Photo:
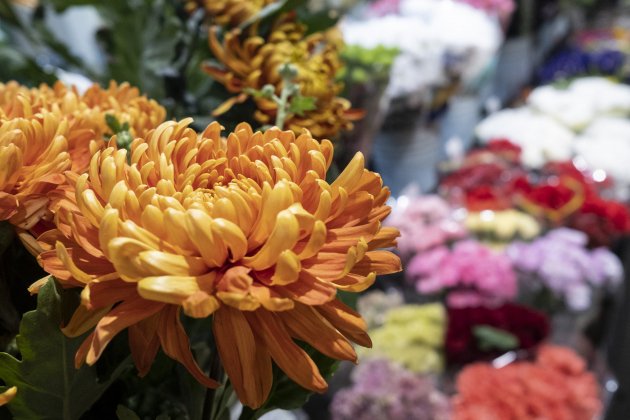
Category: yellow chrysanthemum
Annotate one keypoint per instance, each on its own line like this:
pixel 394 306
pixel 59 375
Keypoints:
pixel 230 13
pixel 46 131
pixel 251 62
pixel 245 229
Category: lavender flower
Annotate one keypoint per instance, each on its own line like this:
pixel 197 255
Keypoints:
pixel 383 390
pixel 561 262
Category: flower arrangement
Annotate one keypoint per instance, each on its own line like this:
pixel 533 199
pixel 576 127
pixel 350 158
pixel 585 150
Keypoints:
pixel 424 222
pixel 561 263
pixel 555 386
pixel 470 274
pixel 242 231
pixel 382 389
pixel 482 333
pixel 502 226
pixel 375 305
pixel 50 130
pixel 412 335
pixel 247 64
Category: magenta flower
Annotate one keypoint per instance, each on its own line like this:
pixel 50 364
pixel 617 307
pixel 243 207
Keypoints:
pixel 471 274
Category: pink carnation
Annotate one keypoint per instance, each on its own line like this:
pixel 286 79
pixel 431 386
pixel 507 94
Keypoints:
pixel 424 222
pixel 471 274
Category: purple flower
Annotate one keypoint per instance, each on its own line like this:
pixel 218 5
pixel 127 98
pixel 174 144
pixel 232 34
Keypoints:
pixel 562 263
pixel 384 390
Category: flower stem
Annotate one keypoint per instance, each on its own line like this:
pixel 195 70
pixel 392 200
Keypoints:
pixel 216 371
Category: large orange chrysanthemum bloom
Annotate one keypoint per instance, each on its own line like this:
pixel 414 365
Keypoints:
pixel 246 229
pixel 46 131
pixel 249 61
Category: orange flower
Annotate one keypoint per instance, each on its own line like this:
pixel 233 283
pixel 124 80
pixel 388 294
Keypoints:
pixel 46 131
pixel 245 229
pixel 230 13
pixel 556 386
pixel 251 62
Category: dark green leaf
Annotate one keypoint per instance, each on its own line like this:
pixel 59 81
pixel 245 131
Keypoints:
pixel 113 123
pixel 489 338
pixel 49 387
pixel 124 413
pixel 6 235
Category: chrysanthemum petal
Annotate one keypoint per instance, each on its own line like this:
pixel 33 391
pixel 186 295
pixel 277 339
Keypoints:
pixel 288 356
pixel 246 362
pixel 306 324
pixel 175 344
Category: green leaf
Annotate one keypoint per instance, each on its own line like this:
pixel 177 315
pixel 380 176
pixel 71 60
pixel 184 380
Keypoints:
pixel 6 235
pixel 489 338
pixel 124 413
pixel 300 104
pixel 113 123
pixel 49 387
pixel 286 394
pixel 141 42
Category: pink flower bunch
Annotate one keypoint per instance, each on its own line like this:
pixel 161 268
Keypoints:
pixel 470 273
pixel 501 8
pixel 424 221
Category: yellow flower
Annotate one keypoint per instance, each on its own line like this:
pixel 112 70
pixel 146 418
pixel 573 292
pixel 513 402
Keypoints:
pixel 245 229
pixel 230 13
pixel 412 335
pixel 250 61
pixel 7 396
pixel 47 131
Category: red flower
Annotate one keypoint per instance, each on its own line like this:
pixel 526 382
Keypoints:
pixel 529 326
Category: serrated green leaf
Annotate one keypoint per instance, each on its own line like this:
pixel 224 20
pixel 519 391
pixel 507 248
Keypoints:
pixel 300 104
pixel 489 338
pixel 124 413
pixel 49 387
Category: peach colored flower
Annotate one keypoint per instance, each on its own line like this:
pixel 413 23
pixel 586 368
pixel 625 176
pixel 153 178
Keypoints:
pixel 245 229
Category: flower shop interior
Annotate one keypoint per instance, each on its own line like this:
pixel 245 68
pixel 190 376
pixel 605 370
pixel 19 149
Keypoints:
pixel 315 209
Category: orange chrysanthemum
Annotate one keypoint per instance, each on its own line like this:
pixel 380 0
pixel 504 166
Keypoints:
pixel 46 131
pixel 251 62
pixel 245 229
pixel 230 13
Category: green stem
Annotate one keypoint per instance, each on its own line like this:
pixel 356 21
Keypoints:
pixel 283 105
pixel 216 371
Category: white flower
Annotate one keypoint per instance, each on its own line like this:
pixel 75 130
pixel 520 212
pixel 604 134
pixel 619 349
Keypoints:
pixel 582 101
pixel 426 32
pixel 540 136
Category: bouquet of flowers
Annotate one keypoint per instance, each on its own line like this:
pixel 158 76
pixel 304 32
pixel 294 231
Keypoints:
pixel 424 222
pixel 382 389
pixel 412 335
pixel 481 333
pixel 556 385
pixel 470 274
pixel 560 263
pixel 224 252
